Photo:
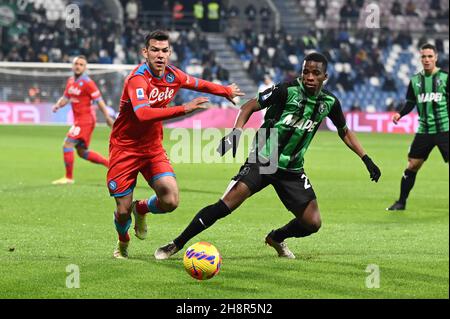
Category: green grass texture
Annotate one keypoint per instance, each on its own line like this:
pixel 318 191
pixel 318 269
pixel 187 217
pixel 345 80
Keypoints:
pixel 45 228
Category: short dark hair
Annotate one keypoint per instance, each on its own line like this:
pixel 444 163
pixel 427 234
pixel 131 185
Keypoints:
pixel 158 35
pixel 428 46
pixel 317 57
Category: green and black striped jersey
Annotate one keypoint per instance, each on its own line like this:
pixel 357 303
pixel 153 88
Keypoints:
pixel 296 116
pixel 430 94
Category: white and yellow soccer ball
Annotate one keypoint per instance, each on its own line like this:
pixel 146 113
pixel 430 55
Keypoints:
pixel 202 260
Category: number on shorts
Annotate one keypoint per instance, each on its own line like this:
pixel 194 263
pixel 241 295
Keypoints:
pixel 306 185
pixel 75 130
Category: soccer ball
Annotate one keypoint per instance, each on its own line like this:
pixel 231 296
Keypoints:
pixel 202 261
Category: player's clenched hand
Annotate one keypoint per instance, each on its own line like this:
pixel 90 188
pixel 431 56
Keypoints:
pixel 374 171
pixel 55 108
pixel 235 91
pixel 396 117
pixel 230 141
pixel 195 104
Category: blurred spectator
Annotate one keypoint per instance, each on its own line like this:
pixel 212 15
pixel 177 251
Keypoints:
pixel 166 14
pixel 34 94
pixel 233 18
pixel 213 16
pixel 132 9
pixel 389 84
pixel 430 21
pixel 224 17
pixel 265 14
pixel 435 5
pixel 396 9
pixel 233 11
pixel 321 8
pixel 177 14
pixel 404 39
pixel 267 84
pixel 199 14
pixel 222 74
pixel 410 9
pixel 346 15
pixel 250 12
pixel 207 72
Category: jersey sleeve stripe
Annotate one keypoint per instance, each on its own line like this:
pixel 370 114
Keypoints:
pixel 137 107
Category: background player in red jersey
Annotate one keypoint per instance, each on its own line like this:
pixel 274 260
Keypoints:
pixel 136 138
pixel 81 92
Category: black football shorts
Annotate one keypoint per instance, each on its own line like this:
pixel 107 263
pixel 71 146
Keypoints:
pixel 423 144
pixel 293 188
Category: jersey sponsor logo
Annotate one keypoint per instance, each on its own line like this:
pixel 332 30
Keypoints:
pixel 157 96
pixel 301 124
pixel 170 77
pixel 140 93
pixel 73 90
pixel 429 97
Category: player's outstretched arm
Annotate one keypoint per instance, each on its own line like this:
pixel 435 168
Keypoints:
pixel 229 92
pixel 353 143
pixel 102 106
pixel 231 141
pixel 61 102
pixel 147 113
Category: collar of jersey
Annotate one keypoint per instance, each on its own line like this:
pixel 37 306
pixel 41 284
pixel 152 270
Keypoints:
pixel 427 75
pixel 81 77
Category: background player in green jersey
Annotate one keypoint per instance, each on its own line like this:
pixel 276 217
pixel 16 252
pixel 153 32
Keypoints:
pixel 428 90
pixel 294 111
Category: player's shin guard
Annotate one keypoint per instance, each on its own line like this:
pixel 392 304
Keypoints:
pixel 407 183
pixel 122 227
pixel 291 229
pixel 204 219
pixel 94 157
pixel 68 161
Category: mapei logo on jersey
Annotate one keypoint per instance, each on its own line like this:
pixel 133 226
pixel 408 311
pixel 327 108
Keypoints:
pixel 170 77
pixel 140 93
pixel 429 97
pixel 301 124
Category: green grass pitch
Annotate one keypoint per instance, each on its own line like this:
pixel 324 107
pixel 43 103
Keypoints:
pixel 44 228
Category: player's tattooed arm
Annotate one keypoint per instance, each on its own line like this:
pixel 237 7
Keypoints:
pixel 61 102
pixel 102 106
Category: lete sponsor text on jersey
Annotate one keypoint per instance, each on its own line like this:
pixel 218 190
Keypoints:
pixel 74 90
pixel 157 96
